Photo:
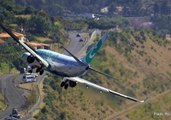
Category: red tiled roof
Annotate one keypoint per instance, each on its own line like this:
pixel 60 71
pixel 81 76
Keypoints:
pixel 6 35
pixel 1 41
pixel 34 44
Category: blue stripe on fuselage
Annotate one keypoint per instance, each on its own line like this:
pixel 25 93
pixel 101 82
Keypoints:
pixel 56 57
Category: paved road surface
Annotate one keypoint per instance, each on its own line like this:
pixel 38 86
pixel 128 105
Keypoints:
pixel 12 94
pixel 77 47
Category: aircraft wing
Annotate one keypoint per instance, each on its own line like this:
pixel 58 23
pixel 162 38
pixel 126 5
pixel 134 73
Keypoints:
pixel 87 83
pixel 26 47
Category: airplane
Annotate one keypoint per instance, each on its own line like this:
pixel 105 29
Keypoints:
pixel 69 67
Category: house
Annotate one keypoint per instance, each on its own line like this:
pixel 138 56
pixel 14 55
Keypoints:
pixel 119 8
pixel 6 35
pixel 36 45
pixel 1 41
pixel 21 37
pixel 104 10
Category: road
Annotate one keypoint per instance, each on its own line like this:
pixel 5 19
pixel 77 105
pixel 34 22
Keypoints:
pixel 13 94
pixel 77 47
pixel 38 102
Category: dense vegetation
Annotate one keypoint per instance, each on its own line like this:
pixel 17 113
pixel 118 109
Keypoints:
pixel 132 7
pixel 10 54
pixel 36 24
pixel 157 10
pixel 40 22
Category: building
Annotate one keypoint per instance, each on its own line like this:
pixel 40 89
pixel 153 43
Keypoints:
pixel 6 35
pixel 104 10
pixel 36 45
pixel 119 8
pixel 1 41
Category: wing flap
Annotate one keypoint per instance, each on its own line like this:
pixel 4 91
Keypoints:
pixel 80 80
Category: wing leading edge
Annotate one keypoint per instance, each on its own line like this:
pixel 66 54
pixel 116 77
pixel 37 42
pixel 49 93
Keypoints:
pixel 83 81
pixel 26 47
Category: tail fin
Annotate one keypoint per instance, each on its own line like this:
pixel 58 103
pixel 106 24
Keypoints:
pixel 92 52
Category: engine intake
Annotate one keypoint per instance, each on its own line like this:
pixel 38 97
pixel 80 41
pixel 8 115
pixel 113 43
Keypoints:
pixel 28 57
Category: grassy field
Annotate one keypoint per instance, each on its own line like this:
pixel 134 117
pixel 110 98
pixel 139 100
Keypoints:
pixel 41 39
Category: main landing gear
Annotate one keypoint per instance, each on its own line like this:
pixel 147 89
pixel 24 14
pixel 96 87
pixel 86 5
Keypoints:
pixel 31 69
pixel 68 83
pixel 40 71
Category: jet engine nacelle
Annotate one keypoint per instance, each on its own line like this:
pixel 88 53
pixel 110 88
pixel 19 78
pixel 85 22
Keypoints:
pixel 28 57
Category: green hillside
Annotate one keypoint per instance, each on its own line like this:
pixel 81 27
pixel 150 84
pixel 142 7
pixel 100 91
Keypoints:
pixel 10 61
pixel 140 61
pixel 158 11
pixel 138 58
pixel 132 7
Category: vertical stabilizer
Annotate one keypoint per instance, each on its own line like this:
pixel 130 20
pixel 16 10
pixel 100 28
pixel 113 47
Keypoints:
pixel 92 52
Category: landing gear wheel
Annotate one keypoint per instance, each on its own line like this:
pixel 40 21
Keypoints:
pixel 66 86
pixel 62 84
pixel 37 70
pixel 41 72
pixel 30 71
pixel 72 84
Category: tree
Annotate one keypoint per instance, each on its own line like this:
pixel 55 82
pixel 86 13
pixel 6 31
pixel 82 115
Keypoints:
pixel 28 10
pixel 39 24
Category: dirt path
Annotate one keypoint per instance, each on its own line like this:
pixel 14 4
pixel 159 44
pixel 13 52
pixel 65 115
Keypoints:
pixel 36 106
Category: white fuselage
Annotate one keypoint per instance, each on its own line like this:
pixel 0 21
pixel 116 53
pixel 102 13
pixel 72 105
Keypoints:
pixel 62 65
